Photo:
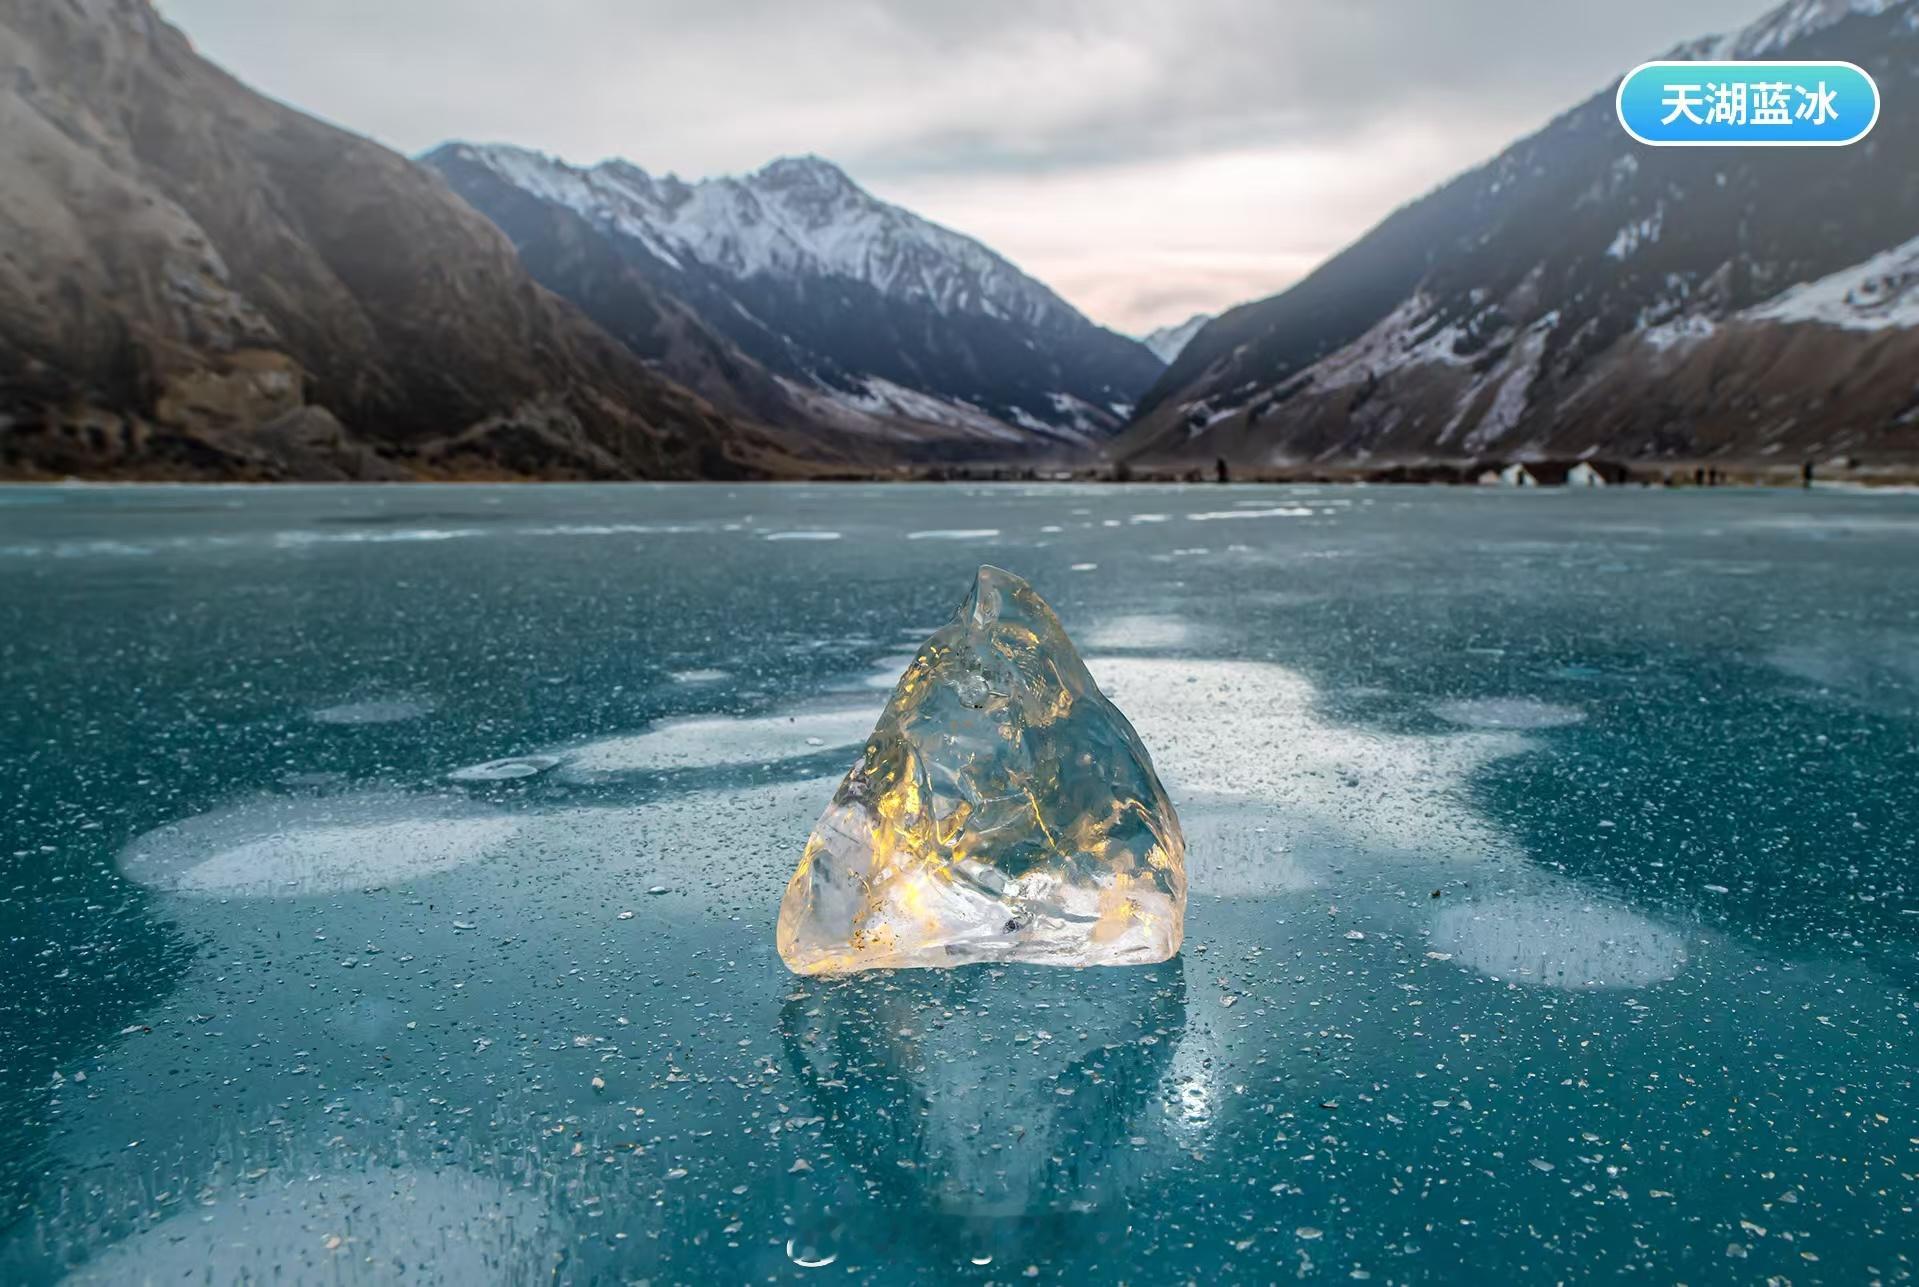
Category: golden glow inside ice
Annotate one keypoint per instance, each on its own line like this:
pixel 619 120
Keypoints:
pixel 1002 810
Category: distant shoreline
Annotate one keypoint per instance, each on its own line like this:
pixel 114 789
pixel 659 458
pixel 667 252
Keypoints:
pixel 1880 480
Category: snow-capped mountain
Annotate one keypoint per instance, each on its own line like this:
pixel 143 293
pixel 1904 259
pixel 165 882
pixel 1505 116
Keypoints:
pixel 865 314
pixel 1168 342
pixel 1585 294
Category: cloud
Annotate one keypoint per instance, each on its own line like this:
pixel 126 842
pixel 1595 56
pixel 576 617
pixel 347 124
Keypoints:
pixel 1038 112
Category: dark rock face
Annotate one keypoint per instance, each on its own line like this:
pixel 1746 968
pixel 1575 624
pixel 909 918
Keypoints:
pixel 185 264
pixel 764 263
pixel 1584 293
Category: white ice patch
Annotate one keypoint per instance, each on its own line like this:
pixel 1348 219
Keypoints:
pixel 276 847
pixel 1140 630
pixel 1268 511
pixel 1246 733
pixel 300 539
pixel 1877 671
pixel 385 711
pixel 1507 712
pixel 802 536
pixel 509 769
pixel 1560 940
pixel 754 835
pixel 954 534
pixel 713 741
pixel 384 1224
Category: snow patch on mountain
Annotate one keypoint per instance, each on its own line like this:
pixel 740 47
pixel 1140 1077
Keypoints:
pixel 1076 417
pixel 1681 332
pixel 1880 293
pixel 1640 232
pixel 1410 335
pixel 884 398
pixel 1780 27
pixel 1515 386
pixel 1168 342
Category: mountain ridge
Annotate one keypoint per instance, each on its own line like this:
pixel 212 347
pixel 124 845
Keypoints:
pixel 859 308
pixel 1580 294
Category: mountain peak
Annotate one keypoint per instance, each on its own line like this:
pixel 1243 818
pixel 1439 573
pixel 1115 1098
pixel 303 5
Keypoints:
pixel 492 153
pixel 807 171
pixel 795 216
pixel 1779 27
pixel 1168 342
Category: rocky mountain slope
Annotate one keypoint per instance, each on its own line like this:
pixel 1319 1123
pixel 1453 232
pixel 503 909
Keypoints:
pixel 860 316
pixel 198 281
pixel 1584 294
pixel 1168 342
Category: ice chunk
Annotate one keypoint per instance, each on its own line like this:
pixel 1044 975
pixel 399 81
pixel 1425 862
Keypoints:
pixel 1003 810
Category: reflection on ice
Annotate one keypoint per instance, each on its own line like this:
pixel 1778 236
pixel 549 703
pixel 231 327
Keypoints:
pixel 1564 939
pixel 277 847
pixel 983 1108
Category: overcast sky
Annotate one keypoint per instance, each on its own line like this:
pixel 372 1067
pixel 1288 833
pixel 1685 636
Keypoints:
pixel 1146 158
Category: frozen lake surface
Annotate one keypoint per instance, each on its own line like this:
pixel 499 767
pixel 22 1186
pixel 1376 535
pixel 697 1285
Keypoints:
pixel 392 876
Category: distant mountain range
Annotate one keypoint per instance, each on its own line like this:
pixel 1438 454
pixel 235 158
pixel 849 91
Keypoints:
pixel 867 318
pixel 1168 342
pixel 1582 294
pixel 196 281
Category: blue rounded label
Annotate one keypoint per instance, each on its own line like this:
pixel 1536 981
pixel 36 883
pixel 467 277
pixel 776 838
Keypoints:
pixel 1747 104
